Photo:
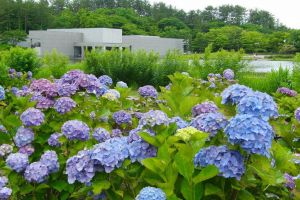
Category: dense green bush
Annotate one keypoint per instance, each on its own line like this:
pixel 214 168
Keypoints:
pixel 20 59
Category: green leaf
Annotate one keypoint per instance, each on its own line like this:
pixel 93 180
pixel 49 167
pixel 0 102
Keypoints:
pixel 100 185
pixel 42 186
pixel 211 189
pixel 244 194
pixel 206 173
pixel 155 165
pixel 186 190
pixel 59 185
pixel 150 139
pixel 26 189
pixel 184 162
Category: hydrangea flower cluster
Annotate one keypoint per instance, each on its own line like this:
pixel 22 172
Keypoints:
pixel 154 118
pixel 111 153
pixel 252 133
pixel 80 167
pixel 297 114
pixel 121 84
pixel 32 117
pixel 287 91
pixel 64 105
pixel 44 87
pixel 28 150
pixel 122 117
pixel 234 93
pixel 2 93
pixel 151 193
pixel 50 159
pixel 205 107
pixel 228 74
pixel 53 140
pixel 210 123
pixel 148 91
pixel 17 161
pixel 36 172
pixel 230 163
pixel 101 134
pixel 73 77
pixel 116 132
pixel 5 149
pixel 44 103
pixel 258 104
pixel 105 80
pixel 111 95
pixel 75 129
pixel 65 89
pixel 5 192
pixel 187 133
pixel 289 181
pixel 23 136
pixel 179 122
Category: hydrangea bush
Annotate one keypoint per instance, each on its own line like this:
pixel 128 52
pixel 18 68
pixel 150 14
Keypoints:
pixel 87 137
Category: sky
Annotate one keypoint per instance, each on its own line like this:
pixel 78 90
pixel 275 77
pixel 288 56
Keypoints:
pixel 287 11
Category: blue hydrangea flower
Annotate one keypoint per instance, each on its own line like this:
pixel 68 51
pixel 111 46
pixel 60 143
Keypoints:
pixel 66 89
pixel 2 93
pixel 297 114
pixel 234 93
pixel 101 134
pixel 122 117
pixel 105 80
pixel 228 74
pixel 64 105
pixel 148 91
pixel 139 150
pixel 179 122
pixel 50 159
pixel 80 167
pixel 28 149
pixel 17 161
pixel 151 193
pixel 111 153
pixel 252 133
pixel 75 129
pixel 230 163
pixel 121 84
pixel 14 90
pixel 5 193
pixel 210 123
pixel 258 104
pixel 154 118
pixel 29 75
pixel 23 136
pixel 289 181
pixel 116 132
pixel 32 117
pixel 53 140
pixel 205 107
pixel 3 181
pixel 2 129
pixel 5 149
pixel 36 172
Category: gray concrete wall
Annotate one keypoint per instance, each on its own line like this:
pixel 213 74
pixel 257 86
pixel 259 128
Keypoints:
pixel 63 42
pixel 153 43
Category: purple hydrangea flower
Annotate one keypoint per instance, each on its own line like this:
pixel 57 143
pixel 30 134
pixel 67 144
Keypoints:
pixel 75 129
pixel 219 76
pixel 252 133
pixel 64 105
pixel 2 93
pixel 66 89
pixel 230 163
pixel 23 136
pixel 148 91
pixel 258 104
pixel 14 90
pixel 12 71
pixel 289 181
pixel 234 93
pixel 116 133
pixel 3 181
pixel 73 77
pixel 19 74
pixel 44 87
pixel 5 193
pixel 80 167
pixel 154 118
pixel 179 122
pixel 53 140
pixel 93 115
pixel 32 117
pixel 50 159
pixel 5 149
pixel 205 107
pixel 28 149
pixel 152 193
pixel 121 84
pixel 101 134
pixel 111 153
pixel 45 103
pixel 210 123
pixel 287 91
pixel 297 114
pixel 228 74
pixel 17 161
pixel 36 172
pixel 168 87
pixel 29 75
pixel 122 117
pixel 105 80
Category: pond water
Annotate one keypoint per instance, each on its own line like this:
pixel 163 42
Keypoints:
pixel 268 65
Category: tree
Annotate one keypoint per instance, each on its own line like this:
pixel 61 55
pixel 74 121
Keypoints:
pixel 262 18
pixel 12 37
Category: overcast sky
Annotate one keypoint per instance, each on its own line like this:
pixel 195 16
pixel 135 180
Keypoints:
pixel 287 11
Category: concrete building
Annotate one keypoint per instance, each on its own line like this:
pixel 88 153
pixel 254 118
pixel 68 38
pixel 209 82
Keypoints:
pixel 74 42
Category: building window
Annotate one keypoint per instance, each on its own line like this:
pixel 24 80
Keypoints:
pixel 108 48
pixel 89 48
pixel 77 52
